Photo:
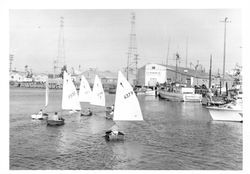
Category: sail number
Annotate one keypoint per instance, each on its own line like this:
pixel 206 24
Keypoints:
pixel 128 95
pixel 72 94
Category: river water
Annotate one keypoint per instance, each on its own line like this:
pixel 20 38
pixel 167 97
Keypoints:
pixel 174 136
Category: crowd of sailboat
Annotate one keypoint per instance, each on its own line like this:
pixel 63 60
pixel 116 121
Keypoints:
pixel 127 107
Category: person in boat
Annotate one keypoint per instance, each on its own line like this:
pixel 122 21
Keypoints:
pixel 89 112
pixel 55 117
pixel 112 109
pixel 40 112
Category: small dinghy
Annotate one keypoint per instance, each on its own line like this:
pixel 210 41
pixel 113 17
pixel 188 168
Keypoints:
pixel 127 108
pixel 114 135
pixel 55 122
pixel 86 114
pixel 39 116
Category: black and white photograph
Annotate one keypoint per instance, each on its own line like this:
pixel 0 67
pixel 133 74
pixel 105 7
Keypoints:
pixel 125 89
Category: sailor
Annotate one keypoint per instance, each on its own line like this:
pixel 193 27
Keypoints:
pixel 89 111
pixel 40 112
pixel 55 117
pixel 112 109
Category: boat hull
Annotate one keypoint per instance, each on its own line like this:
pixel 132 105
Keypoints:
pixel 171 96
pixel 225 114
pixel 114 137
pixel 55 122
pixel 86 114
pixel 39 117
pixel 151 92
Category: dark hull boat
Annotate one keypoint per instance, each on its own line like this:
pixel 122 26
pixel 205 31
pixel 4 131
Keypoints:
pixel 86 114
pixel 114 136
pixel 55 122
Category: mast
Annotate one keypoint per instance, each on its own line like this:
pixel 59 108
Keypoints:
pixel 210 72
pixel 167 57
pixel 176 66
pixel 186 52
pixel 224 54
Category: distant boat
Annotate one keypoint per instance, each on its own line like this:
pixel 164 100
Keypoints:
pixel 183 94
pixel 98 95
pixel 228 112
pixel 41 115
pixel 85 92
pixel 127 108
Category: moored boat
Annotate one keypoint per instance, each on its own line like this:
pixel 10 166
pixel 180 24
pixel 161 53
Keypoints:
pixel 183 94
pixel 228 112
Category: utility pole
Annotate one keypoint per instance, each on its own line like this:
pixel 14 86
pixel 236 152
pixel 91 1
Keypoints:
pixel 224 55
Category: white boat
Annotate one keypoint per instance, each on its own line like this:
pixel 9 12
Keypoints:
pixel 227 112
pixel 98 95
pixel 150 91
pixel 127 108
pixel 183 94
pixel 85 92
pixel 41 115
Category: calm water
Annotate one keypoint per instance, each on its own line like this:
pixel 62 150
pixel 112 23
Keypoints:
pixel 174 136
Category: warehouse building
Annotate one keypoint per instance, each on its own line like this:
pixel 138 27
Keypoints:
pixel 151 74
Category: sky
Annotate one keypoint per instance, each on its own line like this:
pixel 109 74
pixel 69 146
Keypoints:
pixel 100 38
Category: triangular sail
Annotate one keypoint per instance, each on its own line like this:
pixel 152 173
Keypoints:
pixel 85 91
pixel 98 95
pixel 47 93
pixel 127 107
pixel 70 100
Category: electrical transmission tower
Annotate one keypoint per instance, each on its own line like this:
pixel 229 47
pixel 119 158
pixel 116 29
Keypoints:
pixel 59 61
pixel 132 59
pixel 11 58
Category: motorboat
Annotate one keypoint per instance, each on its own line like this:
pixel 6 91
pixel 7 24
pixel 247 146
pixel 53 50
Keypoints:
pixel 182 94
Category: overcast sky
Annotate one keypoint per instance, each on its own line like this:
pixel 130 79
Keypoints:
pixel 99 38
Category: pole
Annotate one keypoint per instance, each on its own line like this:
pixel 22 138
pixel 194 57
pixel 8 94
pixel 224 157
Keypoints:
pixel 224 54
pixel 177 58
pixel 210 72
pixel 186 52
pixel 167 57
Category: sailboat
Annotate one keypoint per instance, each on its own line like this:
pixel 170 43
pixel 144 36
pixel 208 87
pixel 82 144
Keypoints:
pixel 85 94
pixel 127 107
pixel 41 115
pixel 70 100
pixel 98 95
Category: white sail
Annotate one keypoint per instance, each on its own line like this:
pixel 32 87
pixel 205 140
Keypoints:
pixel 70 100
pixel 85 91
pixel 98 95
pixel 47 93
pixel 127 107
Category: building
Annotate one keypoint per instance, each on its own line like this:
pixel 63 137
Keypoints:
pixel 151 74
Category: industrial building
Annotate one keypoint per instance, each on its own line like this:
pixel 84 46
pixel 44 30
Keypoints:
pixel 151 74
